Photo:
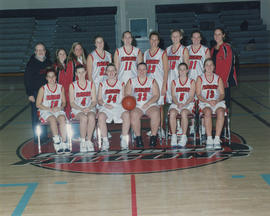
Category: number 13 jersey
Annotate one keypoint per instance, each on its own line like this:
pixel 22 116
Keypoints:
pixel 209 88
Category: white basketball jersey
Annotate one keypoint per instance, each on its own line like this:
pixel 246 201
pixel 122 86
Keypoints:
pixel 209 88
pixel 174 59
pixel 155 65
pixel 52 98
pixel 196 61
pixel 112 94
pixel 182 90
pixel 82 96
pixel 142 91
pixel 128 63
pixel 99 65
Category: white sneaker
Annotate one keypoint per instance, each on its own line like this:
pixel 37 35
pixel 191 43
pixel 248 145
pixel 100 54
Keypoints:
pixel 82 146
pixel 161 133
pixel 209 143
pixel 89 146
pixel 179 130
pixel 217 142
pixel 191 129
pixel 173 140
pixel 66 147
pixel 57 144
pixel 124 142
pixel 183 141
pixel 109 135
pixel 105 144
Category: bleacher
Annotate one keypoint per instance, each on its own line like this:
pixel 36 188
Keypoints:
pixel 252 44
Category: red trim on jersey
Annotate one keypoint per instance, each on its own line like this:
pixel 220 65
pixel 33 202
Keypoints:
pixel 174 82
pixel 197 50
pixel 154 53
pixel 100 84
pixel 100 55
pixel 192 81
pixel 126 51
pixel 164 52
pixel 130 82
pixel 153 81
pixel 184 82
pixel 123 84
pixel 208 80
pixel 92 57
pixel 80 86
pixel 111 85
pixel 184 51
pixel 117 51
pixel 140 82
pixel 206 50
pixel 91 85
pixel 176 49
pixel 51 90
pixel 73 85
pixel 200 78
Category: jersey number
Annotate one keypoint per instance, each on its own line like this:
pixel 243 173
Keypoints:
pixel 192 65
pixel 112 98
pixel 128 66
pixel 142 96
pixel 210 94
pixel 83 102
pixel 151 68
pixel 102 71
pixel 172 65
pixel 54 104
pixel 181 97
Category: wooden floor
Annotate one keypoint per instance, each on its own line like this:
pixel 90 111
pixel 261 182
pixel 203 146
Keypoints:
pixel 237 186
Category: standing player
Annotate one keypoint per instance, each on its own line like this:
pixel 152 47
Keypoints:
pixel 50 102
pixel 210 92
pixel 146 91
pixel 183 90
pixel 110 94
pixel 82 94
pixel 177 53
pixel 126 58
pixel 97 62
pixel 157 68
pixel 197 55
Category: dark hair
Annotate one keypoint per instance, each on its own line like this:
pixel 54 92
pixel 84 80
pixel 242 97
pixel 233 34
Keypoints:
pixel 50 69
pixel 221 29
pixel 96 37
pixel 123 34
pixel 196 31
pixel 141 63
pixel 111 64
pixel 154 33
pixel 184 64
pixel 181 31
pixel 79 66
pixel 208 59
pixel 40 43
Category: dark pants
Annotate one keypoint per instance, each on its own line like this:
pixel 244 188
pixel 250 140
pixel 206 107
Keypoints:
pixel 228 97
pixel 35 120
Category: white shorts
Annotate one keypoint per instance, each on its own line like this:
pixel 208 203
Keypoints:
pixel 113 114
pixel 75 112
pixel 161 100
pixel 44 115
pixel 189 107
pixel 144 111
pixel 220 104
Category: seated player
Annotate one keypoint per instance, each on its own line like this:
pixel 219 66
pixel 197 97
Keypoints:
pixel 110 94
pixel 210 92
pixel 51 102
pixel 183 90
pixel 146 92
pixel 82 96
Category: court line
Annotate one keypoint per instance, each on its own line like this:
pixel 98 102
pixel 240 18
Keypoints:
pixel 251 112
pixel 259 103
pixel 133 196
pixel 31 187
pixel 14 117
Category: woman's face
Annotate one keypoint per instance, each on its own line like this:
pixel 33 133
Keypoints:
pixel 40 51
pixel 154 41
pixel 219 36
pixel 99 43
pixel 62 56
pixel 182 70
pixel 209 67
pixel 142 70
pixel 78 51
pixel 176 37
pixel 81 73
pixel 127 39
pixel 51 78
pixel 196 38
pixel 111 72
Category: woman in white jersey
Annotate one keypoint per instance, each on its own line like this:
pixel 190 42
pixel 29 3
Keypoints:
pixel 82 95
pixel 183 90
pixel 110 94
pixel 126 58
pixel 146 92
pixel 51 102
pixel 97 62
pixel 210 92
pixel 177 53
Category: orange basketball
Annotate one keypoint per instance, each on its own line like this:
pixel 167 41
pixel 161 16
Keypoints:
pixel 129 103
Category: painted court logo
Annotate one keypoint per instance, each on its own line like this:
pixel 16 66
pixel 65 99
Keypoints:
pixel 133 161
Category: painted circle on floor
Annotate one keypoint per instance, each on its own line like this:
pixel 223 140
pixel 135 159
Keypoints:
pixel 163 158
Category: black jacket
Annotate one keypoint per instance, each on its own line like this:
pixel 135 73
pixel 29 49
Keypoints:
pixel 35 74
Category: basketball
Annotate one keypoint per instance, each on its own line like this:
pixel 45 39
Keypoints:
pixel 129 103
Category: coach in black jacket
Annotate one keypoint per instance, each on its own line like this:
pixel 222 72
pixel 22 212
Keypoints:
pixel 34 78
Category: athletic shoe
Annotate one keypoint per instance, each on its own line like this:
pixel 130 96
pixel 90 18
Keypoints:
pixel 191 129
pixel 183 141
pixel 173 140
pixel 124 142
pixel 109 135
pixel 217 142
pixel 57 145
pixel 66 147
pixel 160 134
pixel 139 142
pixel 89 146
pixel 105 144
pixel 82 146
pixel 209 143
pixel 179 131
pixel 153 141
